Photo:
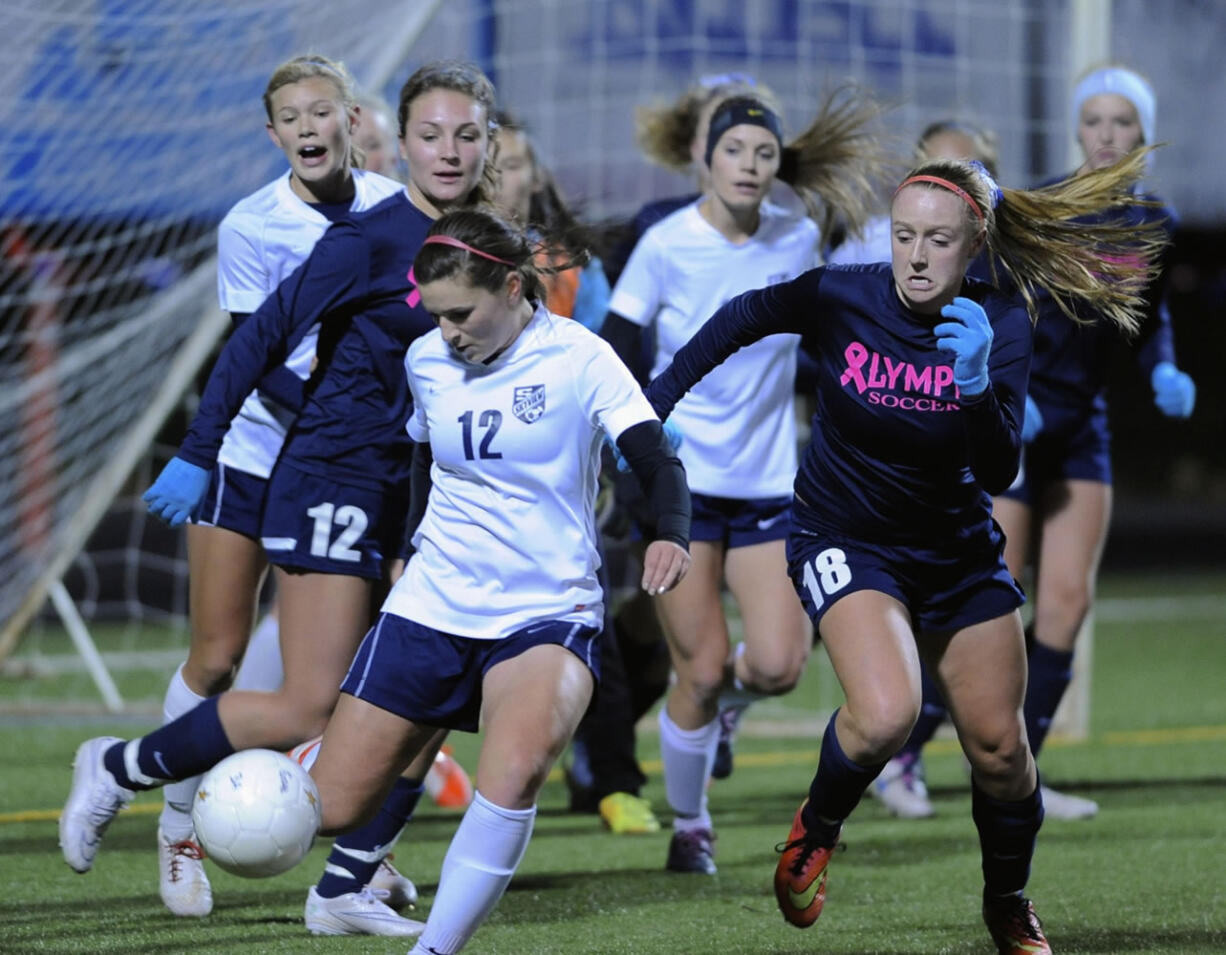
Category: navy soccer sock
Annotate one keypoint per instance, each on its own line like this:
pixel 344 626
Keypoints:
pixel 355 856
pixel 1051 671
pixel 1007 832
pixel 181 749
pixel 836 789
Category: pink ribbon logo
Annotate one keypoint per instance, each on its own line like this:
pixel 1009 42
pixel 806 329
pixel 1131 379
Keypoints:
pixel 856 355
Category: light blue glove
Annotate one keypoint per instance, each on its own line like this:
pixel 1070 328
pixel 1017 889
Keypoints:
pixel 671 431
pixel 1032 421
pixel 969 338
pixel 1174 390
pixel 177 492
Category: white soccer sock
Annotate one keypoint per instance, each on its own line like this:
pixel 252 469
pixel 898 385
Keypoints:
pixel 177 797
pixel 687 756
pixel 483 856
pixel 261 668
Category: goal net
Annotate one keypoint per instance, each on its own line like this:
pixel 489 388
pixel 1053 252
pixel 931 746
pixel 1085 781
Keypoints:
pixel 128 128
pixel 132 125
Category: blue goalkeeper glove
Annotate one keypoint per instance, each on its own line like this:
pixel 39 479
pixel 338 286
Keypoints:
pixel 969 338
pixel 177 492
pixel 1032 421
pixel 671 431
pixel 1174 390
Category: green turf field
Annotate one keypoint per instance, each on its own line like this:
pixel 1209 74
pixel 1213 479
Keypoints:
pixel 1147 875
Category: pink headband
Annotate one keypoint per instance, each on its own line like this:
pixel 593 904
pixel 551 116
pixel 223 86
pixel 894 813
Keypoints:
pixel 458 244
pixel 944 184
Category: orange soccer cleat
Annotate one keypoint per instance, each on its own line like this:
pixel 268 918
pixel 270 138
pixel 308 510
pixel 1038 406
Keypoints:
pixel 1014 927
pixel 800 876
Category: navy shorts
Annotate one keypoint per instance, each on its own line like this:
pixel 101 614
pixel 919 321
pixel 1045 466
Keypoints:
pixel 1078 451
pixel 738 523
pixel 944 589
pixel 435 678
pixel 234 500
pixel 318 525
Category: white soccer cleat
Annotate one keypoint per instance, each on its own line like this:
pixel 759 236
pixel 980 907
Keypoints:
pixel 94 800
pixel 182 881
pixel 1057 805
pixel 357 913
pixel 401 892
pixel 902 790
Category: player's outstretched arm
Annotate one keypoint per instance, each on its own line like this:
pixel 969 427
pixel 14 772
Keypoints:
pixel 651 456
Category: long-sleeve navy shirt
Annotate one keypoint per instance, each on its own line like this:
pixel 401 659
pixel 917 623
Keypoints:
pixel 357 283
pixel 896 456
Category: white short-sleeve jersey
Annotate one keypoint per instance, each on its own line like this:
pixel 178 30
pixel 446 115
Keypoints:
pixel 262 239
pixel 509 535
pixel 738 423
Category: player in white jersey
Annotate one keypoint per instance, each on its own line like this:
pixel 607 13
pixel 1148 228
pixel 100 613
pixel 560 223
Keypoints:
pixel 263 238
pixel 740 440
pixel 497 614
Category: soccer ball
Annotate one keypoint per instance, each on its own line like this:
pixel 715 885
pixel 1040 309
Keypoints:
pixel 256 813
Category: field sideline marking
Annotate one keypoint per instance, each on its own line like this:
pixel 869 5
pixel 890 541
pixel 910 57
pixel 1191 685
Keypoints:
pixel 1158 737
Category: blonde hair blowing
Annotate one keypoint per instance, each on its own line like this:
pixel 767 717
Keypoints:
pixel 838 164
pixel 1044 241
pixel 666 131
pixel 312 65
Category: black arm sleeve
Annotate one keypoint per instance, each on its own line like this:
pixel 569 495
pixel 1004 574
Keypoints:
pixel 660 472
pixel 419 495
pixel 627 341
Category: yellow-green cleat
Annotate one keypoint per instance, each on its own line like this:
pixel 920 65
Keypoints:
pixel 627 814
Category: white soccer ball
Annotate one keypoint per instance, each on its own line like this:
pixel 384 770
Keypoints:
pixel 256 813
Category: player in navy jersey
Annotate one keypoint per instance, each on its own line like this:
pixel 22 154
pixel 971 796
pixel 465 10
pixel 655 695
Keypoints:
pixel 311 114
pixel 497 616
pixel 942 139
pixel 335 502
pixel 739 427
pixel 901 786
pixel 1061 502
pixel 893 550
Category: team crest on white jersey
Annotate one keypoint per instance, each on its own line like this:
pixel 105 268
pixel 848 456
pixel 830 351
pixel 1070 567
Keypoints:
pixel 529 402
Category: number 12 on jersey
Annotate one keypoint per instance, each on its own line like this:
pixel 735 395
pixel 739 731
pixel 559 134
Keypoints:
pixel 491 421
pixel 826 574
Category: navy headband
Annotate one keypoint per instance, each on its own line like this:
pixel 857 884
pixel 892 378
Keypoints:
pixel 740 111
